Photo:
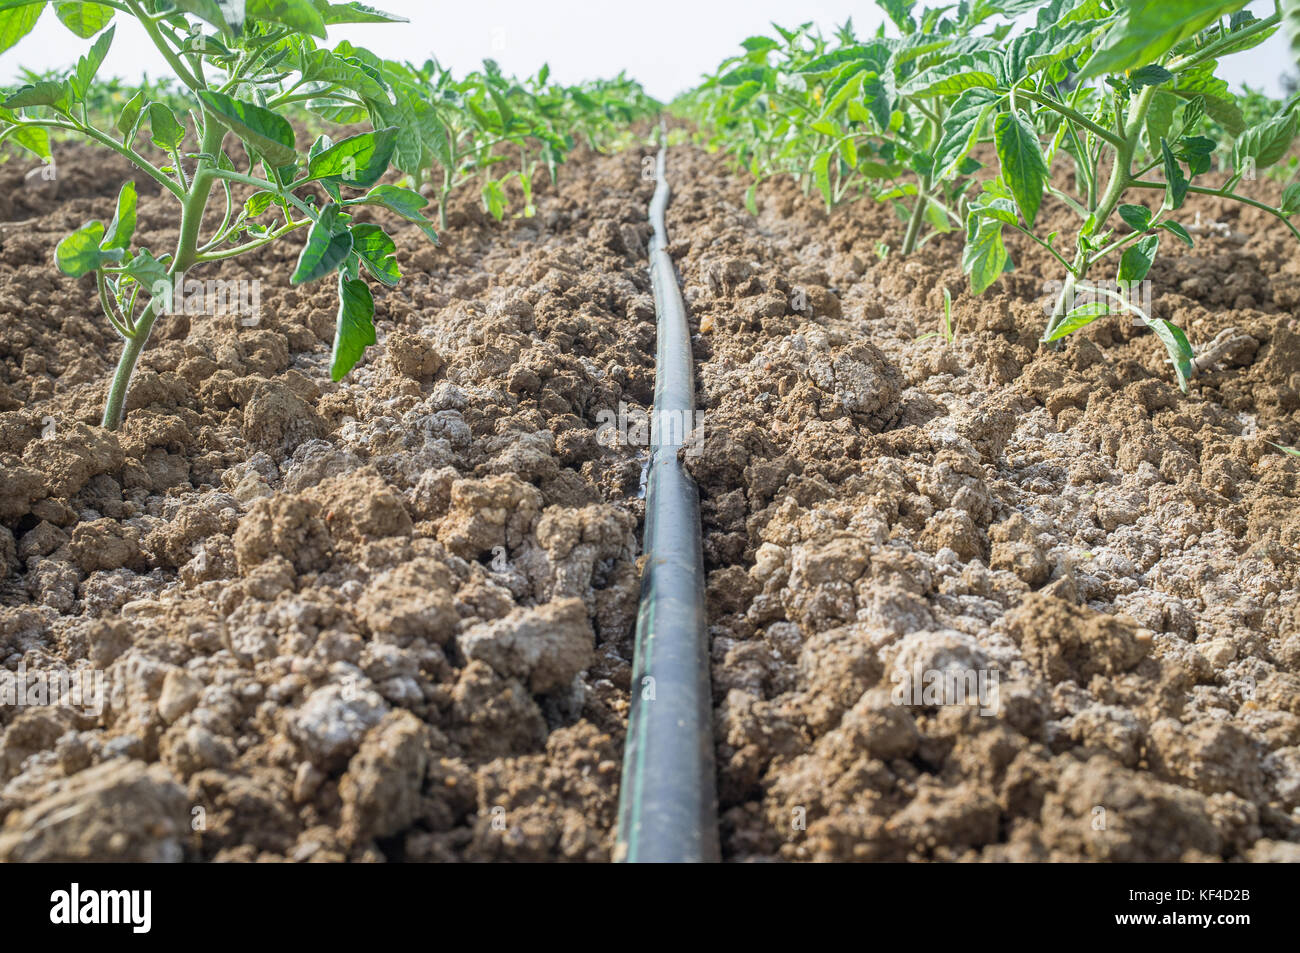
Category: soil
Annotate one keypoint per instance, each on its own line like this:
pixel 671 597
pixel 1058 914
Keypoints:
pixel 391 618
pixel 876 503
pixel 384 619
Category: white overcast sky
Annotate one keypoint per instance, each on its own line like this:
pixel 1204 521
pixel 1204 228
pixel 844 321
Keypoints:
pixel 666 44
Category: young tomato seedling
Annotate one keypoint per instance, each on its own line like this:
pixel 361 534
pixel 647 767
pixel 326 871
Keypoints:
pixel 240 67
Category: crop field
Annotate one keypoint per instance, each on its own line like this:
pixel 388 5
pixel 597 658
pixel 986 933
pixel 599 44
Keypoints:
pixel 883 450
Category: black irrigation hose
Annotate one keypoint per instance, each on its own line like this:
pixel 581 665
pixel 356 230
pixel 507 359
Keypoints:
pixel 668 808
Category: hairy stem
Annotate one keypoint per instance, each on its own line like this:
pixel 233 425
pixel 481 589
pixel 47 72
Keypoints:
pixel 165 48
pixel 1065 300
pixel 192 206
pixel 914 222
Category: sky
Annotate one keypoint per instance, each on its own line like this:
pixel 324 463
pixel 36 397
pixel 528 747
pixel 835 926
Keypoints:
pixel 666 44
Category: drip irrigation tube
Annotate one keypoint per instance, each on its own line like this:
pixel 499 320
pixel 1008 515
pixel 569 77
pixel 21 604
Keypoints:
pixel 668 809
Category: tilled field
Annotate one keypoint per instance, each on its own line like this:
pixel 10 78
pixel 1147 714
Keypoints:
pixel 392 618
pixel 387 618
pixel 1123 557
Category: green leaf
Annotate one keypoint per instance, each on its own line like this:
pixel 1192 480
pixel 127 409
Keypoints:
pixel 84 19
pixel 17 22
pixel 898 10
pixel 961 129
pixel 403 202
pixel 1266 143
pixel 226 15
pixel 420 131
pixel 377 252
pixel 1175 229
pixel 270 134
pixel 985 257
pixel 1291 199
pixel 494 199
pixel 328 243
pixel 257 203
pixel 745 74
pixel 355 330
pixel 1002 210
pixel 1081 316
pixel 1218 102
pixel 44 93
pixel 122 227
pixel 744 93
pixel 1179 348
pixel 165 132
pixel 1193 113
pixel 1151 75
pixel 821 175
pixel 1048 45
pixel 1021 156
pixel 35 139
pixel 358 161
pixel 79 253
pixel 333 13
pixel 954 76
pixel 1137 259
pixel 1175 182
pixel 150 271
pixel 326 66
pixel 1137 217
pixel 299 15
pixel 1147 29
pixel 1196 152
pixel 129 118
pixel 1159 119
pixel 88 65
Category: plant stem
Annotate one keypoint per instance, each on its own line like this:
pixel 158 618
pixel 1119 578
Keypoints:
pixel 1211 50
pixel 237 250
pixel 1235 196
pixel 155 35
pixel 192 206
pixel 1121 177
pixel 115 408
pixel 1073 115
pixel 125 151
pixel 914 222
pixel 1065 299
pixel 442 201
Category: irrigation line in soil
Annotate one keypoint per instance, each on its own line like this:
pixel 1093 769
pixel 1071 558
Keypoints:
pixel 668 810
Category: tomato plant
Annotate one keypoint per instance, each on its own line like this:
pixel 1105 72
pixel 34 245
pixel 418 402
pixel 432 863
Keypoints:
pixel 239 67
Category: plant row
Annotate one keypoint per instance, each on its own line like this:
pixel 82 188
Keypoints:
pixel 1129 94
